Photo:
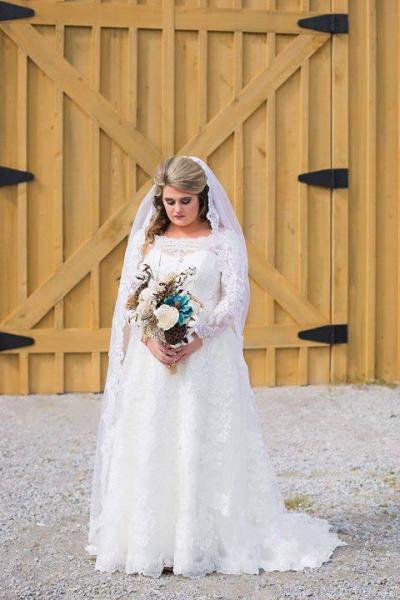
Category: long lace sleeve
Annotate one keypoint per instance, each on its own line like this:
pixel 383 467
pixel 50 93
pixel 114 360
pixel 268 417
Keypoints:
pixel 233 282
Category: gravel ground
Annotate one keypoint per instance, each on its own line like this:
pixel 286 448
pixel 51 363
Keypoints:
pixel 336 451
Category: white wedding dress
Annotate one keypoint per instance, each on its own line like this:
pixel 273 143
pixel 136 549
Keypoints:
pixel 190 481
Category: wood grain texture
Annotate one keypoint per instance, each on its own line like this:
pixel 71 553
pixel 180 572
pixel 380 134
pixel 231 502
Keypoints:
pixel 104 91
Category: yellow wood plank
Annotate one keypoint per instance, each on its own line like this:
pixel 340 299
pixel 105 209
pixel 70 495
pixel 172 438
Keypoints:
pixel 382 171
pixel 187 18
pixel 168 75
pixel 22 202
pixel 58 376
pixel 63 340
pixel 94 186
pixel 362 193
pixel 245 20
pixel 202 71
pixel 278 336
pixel 340 225
pixel 270 211
pixel 302 210
pixel 89 340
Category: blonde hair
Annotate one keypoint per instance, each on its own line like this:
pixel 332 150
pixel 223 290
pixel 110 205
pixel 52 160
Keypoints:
pixel 181 172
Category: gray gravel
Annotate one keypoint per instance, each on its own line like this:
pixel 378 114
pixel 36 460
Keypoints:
pixel 336 451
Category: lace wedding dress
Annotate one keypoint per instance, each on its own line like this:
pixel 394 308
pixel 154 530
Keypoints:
pixel 190 481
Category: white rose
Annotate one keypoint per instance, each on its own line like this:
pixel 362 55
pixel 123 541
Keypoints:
pixel 167 316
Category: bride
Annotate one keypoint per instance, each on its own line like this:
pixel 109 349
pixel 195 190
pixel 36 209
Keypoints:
pixel 182 477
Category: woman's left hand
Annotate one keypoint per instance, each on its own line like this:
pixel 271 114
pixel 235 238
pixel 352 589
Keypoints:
pixel 183 351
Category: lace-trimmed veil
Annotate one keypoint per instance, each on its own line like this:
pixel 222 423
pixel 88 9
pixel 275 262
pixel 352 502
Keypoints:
pixel 221 216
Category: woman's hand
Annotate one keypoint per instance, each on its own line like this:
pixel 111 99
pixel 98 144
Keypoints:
pixel 184 351
pixel 161 351
pixel 171 356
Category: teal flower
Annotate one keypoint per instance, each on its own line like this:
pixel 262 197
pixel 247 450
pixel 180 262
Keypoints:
pixel 180 302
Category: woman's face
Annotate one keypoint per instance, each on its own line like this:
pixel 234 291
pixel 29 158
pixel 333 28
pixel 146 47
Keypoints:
pixel 182 207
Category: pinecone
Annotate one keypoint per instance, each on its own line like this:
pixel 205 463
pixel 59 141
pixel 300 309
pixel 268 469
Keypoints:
pixel 175 335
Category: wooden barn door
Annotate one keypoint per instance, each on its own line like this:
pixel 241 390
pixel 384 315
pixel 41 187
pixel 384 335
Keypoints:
pixel 94 95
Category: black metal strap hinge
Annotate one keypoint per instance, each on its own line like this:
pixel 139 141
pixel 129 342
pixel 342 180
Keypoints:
pixel 330 23
pixel 9 341
pixel 330 178
pixel 11 176
pixel 10 11
pixel 327 334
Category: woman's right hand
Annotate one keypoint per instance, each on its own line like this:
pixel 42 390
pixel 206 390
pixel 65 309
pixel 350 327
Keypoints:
pixel 165 355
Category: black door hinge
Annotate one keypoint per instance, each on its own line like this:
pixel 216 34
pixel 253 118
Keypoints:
pixel 326 334
pixel 330 23
pixel 11 176
pixel 10 11
pixel 330 178
pixel 9 341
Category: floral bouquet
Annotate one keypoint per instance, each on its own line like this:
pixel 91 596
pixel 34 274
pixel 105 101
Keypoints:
pixel 164 308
